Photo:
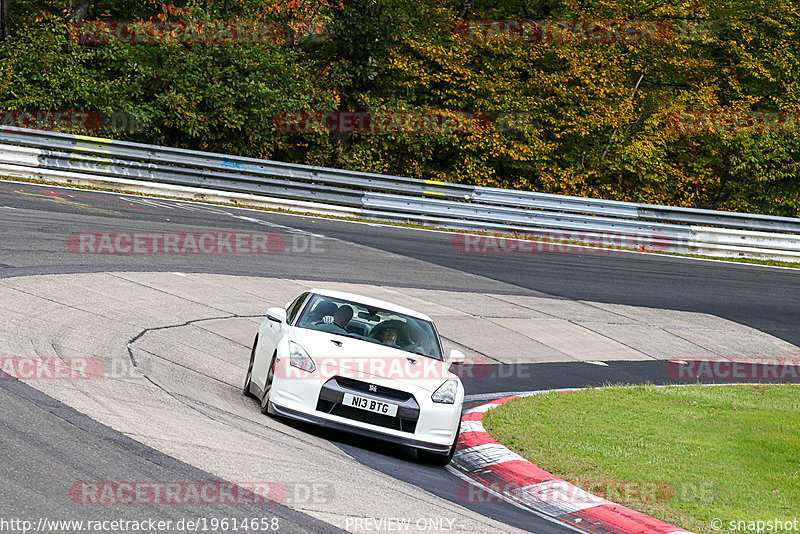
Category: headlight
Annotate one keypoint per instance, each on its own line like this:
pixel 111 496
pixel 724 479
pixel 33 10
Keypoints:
pixel 446 393
pixel 299 358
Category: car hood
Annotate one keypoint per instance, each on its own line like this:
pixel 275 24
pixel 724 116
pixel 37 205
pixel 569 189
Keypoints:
pixel 353 358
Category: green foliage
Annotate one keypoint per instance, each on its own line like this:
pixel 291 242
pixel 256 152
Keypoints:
pixel 714 452
pixel 582 118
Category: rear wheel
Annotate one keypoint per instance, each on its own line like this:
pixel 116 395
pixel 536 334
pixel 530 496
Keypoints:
pixel 268 385
pixel 440 459
pixel 248 379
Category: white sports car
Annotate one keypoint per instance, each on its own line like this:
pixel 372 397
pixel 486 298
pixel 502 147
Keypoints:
pixel 361 365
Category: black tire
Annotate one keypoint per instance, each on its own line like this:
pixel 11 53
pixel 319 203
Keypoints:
pixel 249 377
pixel 268 385
pixel 440 460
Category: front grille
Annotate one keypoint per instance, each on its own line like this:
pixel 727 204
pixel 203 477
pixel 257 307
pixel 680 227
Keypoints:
pixel 383 391
pixel 331 395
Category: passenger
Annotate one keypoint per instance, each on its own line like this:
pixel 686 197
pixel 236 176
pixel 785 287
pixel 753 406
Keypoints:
pixel 388 336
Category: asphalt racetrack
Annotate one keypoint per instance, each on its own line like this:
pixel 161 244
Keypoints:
pixel 59 301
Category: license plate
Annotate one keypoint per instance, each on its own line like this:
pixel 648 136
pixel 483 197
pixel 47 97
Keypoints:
pixel 370 405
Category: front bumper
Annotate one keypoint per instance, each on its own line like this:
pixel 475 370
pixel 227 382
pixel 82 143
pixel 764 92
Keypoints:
pixel 316 398
pixel 336 425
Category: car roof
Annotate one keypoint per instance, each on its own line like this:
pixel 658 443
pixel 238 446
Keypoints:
pixel 369 301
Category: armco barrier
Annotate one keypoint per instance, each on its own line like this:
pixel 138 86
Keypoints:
pixel 734 243
pixel 96 161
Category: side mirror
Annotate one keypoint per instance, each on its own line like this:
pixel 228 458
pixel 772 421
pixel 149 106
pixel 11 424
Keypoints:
pixel 277 315
pixel 456 356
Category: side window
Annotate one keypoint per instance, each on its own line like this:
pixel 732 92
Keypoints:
pixel 294 307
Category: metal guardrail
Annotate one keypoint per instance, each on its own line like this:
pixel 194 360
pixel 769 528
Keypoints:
pixel 60 156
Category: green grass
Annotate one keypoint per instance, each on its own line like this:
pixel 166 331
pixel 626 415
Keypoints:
pixel 726 452
pixel 409 224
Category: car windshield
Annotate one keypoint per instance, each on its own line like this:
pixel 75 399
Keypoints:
pixel 369 323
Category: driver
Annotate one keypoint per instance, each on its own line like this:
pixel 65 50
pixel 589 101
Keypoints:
pixel 323 312
pixel 340 317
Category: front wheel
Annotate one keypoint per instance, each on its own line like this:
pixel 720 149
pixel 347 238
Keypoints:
pixel 268 385
pixel 440 460
pixel 248 379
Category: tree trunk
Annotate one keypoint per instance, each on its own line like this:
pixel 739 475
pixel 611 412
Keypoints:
pixel 464 9
pixel 5 24
pixel 78 9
